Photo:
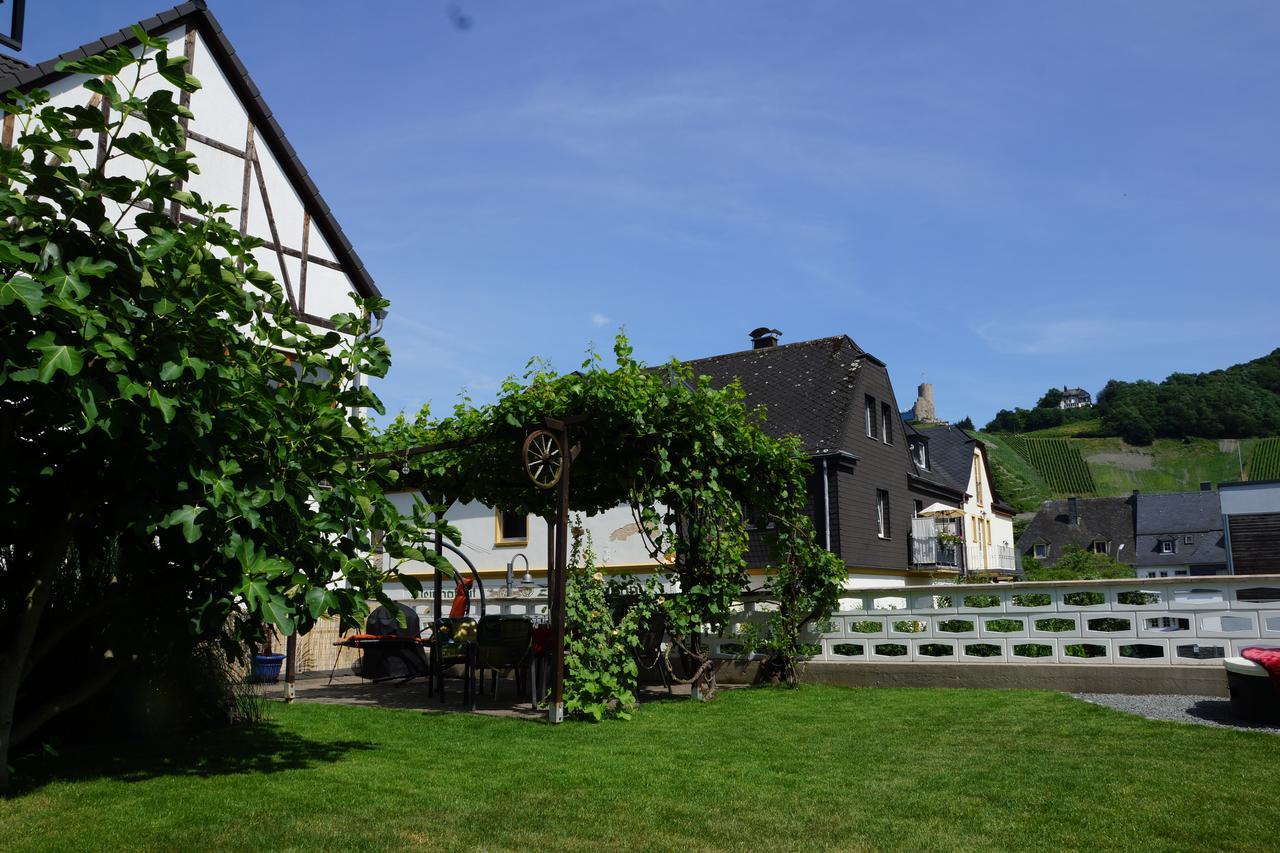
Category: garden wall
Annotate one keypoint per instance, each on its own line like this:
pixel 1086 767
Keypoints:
pixel 1155 635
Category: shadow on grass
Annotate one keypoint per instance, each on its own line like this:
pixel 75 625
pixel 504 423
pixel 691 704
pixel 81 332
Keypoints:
pixel 261 749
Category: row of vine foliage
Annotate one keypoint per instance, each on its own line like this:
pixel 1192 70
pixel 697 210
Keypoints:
pixel 177 446
pixel 690 459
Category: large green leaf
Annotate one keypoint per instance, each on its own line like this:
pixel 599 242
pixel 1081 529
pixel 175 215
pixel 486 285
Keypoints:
pixel 186 516
pixel 167 405
pixel 317 601
pixel 55 357
pixel 13 256
pixel 23 287
pixel 276 611
pixel 67 284
pixel 91 267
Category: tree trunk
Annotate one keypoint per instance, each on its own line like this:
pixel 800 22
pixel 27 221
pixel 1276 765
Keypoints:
pixel 13 658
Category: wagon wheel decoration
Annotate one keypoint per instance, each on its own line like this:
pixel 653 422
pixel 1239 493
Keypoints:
pixel 543 459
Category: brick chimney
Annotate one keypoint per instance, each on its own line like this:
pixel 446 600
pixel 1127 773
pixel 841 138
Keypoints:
pixel 764 337
pixel 1073 509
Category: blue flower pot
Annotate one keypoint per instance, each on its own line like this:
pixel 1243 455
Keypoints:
pixel 266 668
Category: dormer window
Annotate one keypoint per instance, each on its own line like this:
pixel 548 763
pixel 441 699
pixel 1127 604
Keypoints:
pixel 920 450
pixel 1040 551
pixel 1167 546
pixel 1099 546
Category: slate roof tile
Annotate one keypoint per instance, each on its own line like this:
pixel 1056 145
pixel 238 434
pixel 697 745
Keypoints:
pixel 807 388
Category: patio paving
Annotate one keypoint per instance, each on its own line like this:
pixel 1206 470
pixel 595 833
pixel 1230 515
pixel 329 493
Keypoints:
pixel 412 695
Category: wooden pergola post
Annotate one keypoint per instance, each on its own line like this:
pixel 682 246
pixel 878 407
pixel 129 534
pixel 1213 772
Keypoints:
pixel 555 710
pixel 290 666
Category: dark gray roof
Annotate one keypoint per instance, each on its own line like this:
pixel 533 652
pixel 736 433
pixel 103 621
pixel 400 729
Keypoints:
pixel 939 471
pixel 951 458
pixel 807 388
pixel 950 452
pixel 197 15
pixel 1179 516
pixel 1109 519
pixel 1179 512
pixel 10 65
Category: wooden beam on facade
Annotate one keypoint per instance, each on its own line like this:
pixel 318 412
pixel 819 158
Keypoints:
pixel 302 274
pixel 188 51
pixel 197 136
pixel 275 234
pixel 102 136
pixel 311 259
pixel 245 188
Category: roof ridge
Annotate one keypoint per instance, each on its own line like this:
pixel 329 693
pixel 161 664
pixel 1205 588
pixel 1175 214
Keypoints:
pixel 777 347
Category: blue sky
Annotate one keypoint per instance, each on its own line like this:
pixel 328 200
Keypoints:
pixel 993 197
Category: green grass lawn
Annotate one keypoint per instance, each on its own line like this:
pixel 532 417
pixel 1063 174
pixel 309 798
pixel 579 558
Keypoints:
pixel 821 767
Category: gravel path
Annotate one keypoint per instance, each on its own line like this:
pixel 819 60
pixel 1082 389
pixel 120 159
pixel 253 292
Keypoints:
pixel 1201 710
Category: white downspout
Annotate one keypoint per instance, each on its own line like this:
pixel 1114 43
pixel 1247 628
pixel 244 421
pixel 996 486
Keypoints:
pixel 826 505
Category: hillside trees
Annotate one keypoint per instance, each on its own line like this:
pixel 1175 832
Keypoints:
pixel 1232 403
pixel 174 441
pixel 1241 401
pixel 1052 399
pixel 1028 420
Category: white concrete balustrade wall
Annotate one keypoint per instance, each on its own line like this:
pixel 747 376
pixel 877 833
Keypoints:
pixel 1149 621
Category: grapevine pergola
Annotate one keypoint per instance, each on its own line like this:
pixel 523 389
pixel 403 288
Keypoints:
pixel 546 458
pixel 689 459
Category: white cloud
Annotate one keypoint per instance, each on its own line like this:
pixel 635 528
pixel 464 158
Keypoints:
pixel 598 319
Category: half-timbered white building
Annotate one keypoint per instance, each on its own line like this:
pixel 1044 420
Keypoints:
pixel 244 157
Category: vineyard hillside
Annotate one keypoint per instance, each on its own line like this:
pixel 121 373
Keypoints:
pixel 1058 461
pixel 1034 467
pixel 1264 463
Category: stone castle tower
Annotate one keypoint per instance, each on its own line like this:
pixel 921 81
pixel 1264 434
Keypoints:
pixel 923 411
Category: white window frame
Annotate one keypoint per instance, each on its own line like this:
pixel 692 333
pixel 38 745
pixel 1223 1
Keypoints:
pixel 921 453
pixel 1168 546
pixel 883 527
pixel 1037 549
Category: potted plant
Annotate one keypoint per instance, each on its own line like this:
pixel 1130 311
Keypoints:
pixel 266 664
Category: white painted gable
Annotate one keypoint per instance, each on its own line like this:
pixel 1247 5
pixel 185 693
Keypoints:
pixel 267 203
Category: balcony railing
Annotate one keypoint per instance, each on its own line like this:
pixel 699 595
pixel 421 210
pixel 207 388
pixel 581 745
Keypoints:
pixel 934 551
pixel 991 558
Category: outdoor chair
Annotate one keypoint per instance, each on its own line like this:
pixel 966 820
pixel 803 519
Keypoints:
pixel 651 654
pixel 504 646
pixel 455 645
pixel 386 650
